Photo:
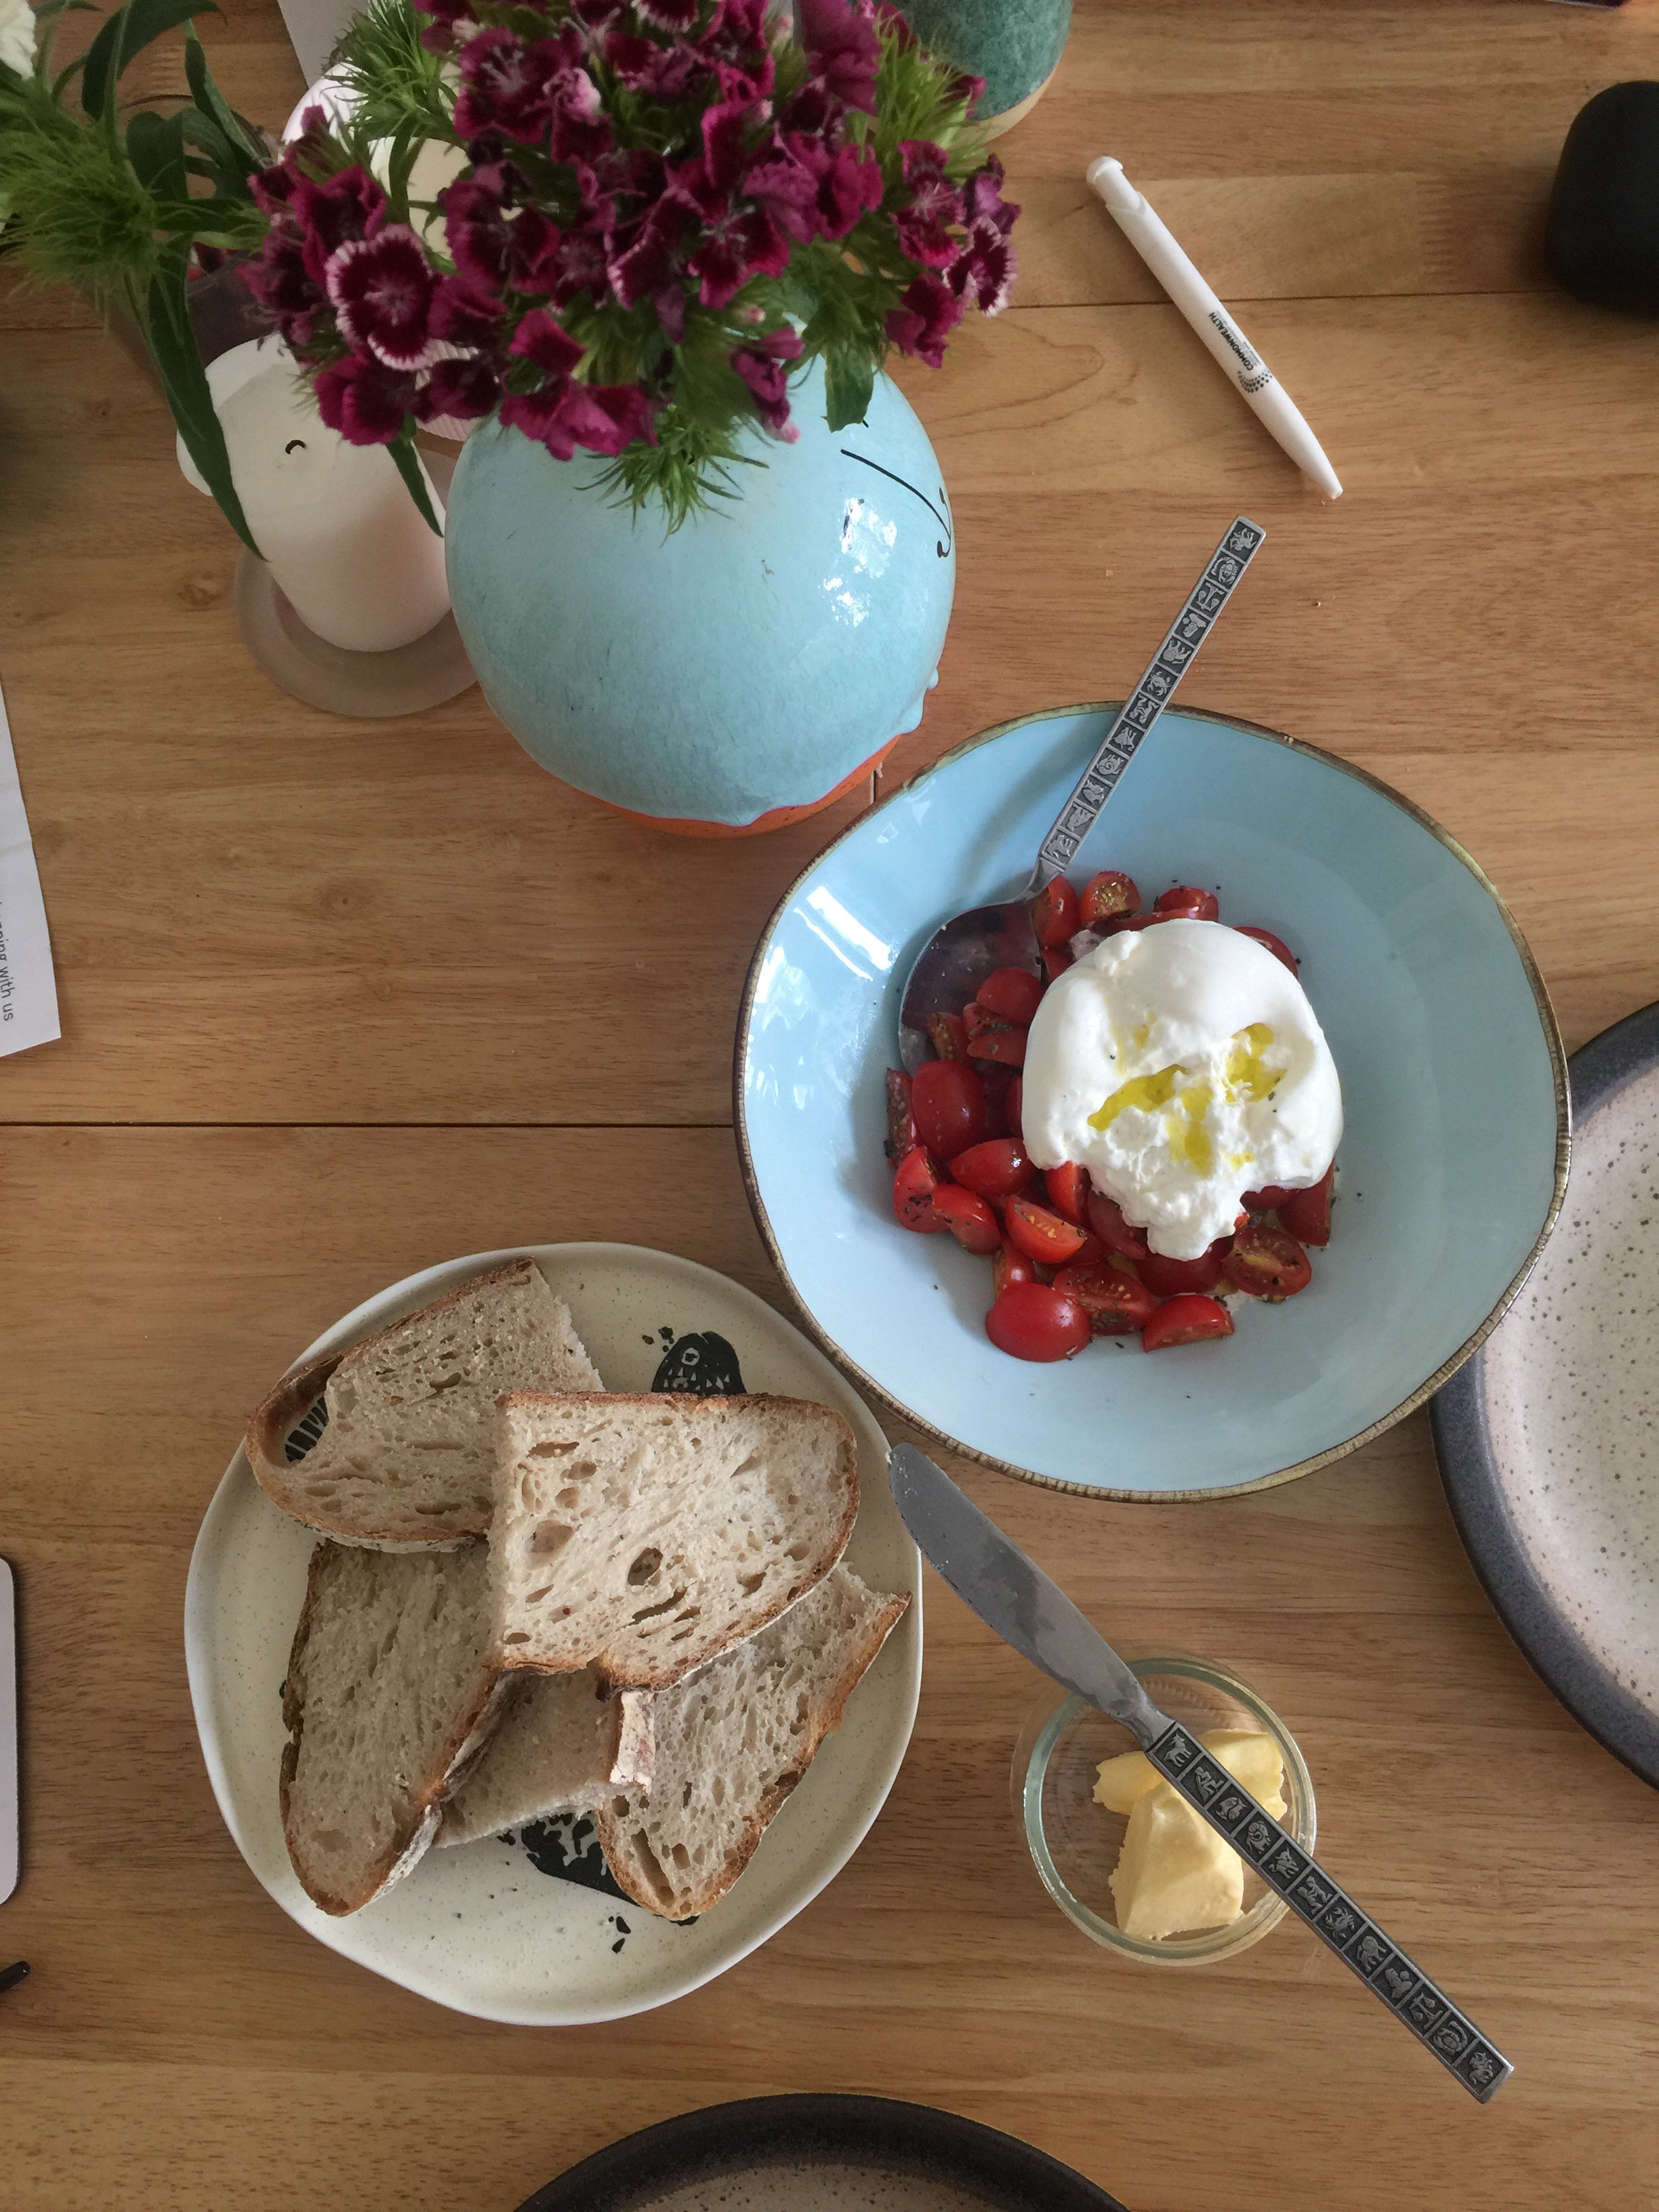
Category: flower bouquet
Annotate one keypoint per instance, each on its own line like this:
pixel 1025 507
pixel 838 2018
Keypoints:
pixel 657 215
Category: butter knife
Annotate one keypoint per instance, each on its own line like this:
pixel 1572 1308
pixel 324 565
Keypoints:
pixel 1033 1615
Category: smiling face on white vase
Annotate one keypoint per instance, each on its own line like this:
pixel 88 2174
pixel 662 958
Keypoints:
pixel 334 522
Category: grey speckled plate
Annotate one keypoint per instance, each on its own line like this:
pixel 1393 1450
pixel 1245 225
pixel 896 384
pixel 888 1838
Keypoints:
pixel 528 1928
pixel 1549 1440
pixel 821 2154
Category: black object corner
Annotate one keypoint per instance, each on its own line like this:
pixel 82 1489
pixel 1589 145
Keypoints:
pixel 1601 234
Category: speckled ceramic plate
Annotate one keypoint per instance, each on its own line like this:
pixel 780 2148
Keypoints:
pixel 821 2155
pixel 1448 1174
pixel 1548 1441
pixel 530 1930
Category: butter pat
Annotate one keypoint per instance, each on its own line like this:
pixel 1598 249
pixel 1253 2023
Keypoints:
pixel 1248 1757
pixel 1173 1872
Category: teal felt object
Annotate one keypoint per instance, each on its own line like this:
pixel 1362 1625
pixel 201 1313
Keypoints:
pixel 1014 45
pixel 754 658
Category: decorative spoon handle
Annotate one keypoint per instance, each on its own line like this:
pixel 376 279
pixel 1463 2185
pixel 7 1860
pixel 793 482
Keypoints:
pixel 1149 698
pixel 1332 1914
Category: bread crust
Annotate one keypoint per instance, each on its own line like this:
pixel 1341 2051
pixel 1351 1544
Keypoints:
pixel 273 1420
pixel 664 1677
pixel 609 1820
pixel 467 1738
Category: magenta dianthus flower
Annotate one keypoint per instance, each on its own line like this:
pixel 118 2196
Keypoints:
pixel 381 290
pixel 924 319
pixel 763 366
pixel 363 399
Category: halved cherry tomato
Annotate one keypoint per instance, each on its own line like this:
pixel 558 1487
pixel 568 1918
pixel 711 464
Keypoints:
pixel 1264 1201
pixel 1171 1278
pixel 1135 921
pixel 999 1082
pixel 995 1169
pixel 1017 1107
pixel 900 1124
pixel 948 1035
pixel 1042 1234
pixel 1276 945
pixel 1190 1319
pixel 1188 903
pixel 1068 1191
pixel 1307 1213
pixel 1011 1266
pixel 1000 1042
pixel 1032 1321
pixel 1107 896
pixel 915 1180
pixel 1116 1304
pixel 1106 1220
pixel 1056 959
pixel 948 1101
pixel 1055 913
pixel 1267 1263
pixel 969 1219
pixel 1012 994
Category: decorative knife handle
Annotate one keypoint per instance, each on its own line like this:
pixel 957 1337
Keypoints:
pixel 1331 1913
pixel 1149 698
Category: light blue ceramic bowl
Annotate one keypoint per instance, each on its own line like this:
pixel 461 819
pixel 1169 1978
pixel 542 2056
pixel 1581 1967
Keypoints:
pixel 1450 1172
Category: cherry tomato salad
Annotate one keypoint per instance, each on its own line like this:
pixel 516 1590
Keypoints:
pixel 1066 1266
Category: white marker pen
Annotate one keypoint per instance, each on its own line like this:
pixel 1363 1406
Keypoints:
pixel 1245 367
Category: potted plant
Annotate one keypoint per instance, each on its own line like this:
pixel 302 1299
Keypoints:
pixel 152 212
pixel 135 211
pixel 699 550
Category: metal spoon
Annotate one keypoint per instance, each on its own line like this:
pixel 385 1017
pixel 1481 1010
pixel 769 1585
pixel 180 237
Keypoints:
pixel 957 957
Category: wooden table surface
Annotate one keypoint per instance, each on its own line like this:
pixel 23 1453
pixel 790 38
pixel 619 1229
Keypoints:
pixel 340 1000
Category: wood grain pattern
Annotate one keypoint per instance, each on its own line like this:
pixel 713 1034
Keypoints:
pixel 156 1279
pixel 341 1000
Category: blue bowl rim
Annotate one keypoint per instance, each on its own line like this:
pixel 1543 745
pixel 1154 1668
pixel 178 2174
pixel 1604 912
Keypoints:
pixel 1476 1494
pixel 1424 1390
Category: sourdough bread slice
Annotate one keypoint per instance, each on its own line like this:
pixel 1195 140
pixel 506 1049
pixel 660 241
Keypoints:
pixel 406 1459
pixel 642 1536
pixel 734 1741
pixel 392 1689
pixel 561 1745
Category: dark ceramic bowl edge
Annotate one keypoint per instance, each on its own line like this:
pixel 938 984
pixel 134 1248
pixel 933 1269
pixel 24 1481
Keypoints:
pixel 1009 2175
pixel 1603 1707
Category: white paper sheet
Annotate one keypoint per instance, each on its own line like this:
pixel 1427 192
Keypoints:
pixel 28 990
pixel 313 26
pixel 9 1809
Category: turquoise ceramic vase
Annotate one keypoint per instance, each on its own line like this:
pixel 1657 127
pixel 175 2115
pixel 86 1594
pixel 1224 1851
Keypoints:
pixel 1014 45
pixel 737 673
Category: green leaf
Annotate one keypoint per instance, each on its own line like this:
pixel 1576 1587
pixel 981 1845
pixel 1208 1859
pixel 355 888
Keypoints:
pixel 849 380
pixel 399 163
pixel 402 450
pixel 155 147
pixel 213 106
pixel 164 315
pixel 188 218
pixel 127 33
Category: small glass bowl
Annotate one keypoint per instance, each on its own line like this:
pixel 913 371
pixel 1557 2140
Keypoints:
pixel 1074 1842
